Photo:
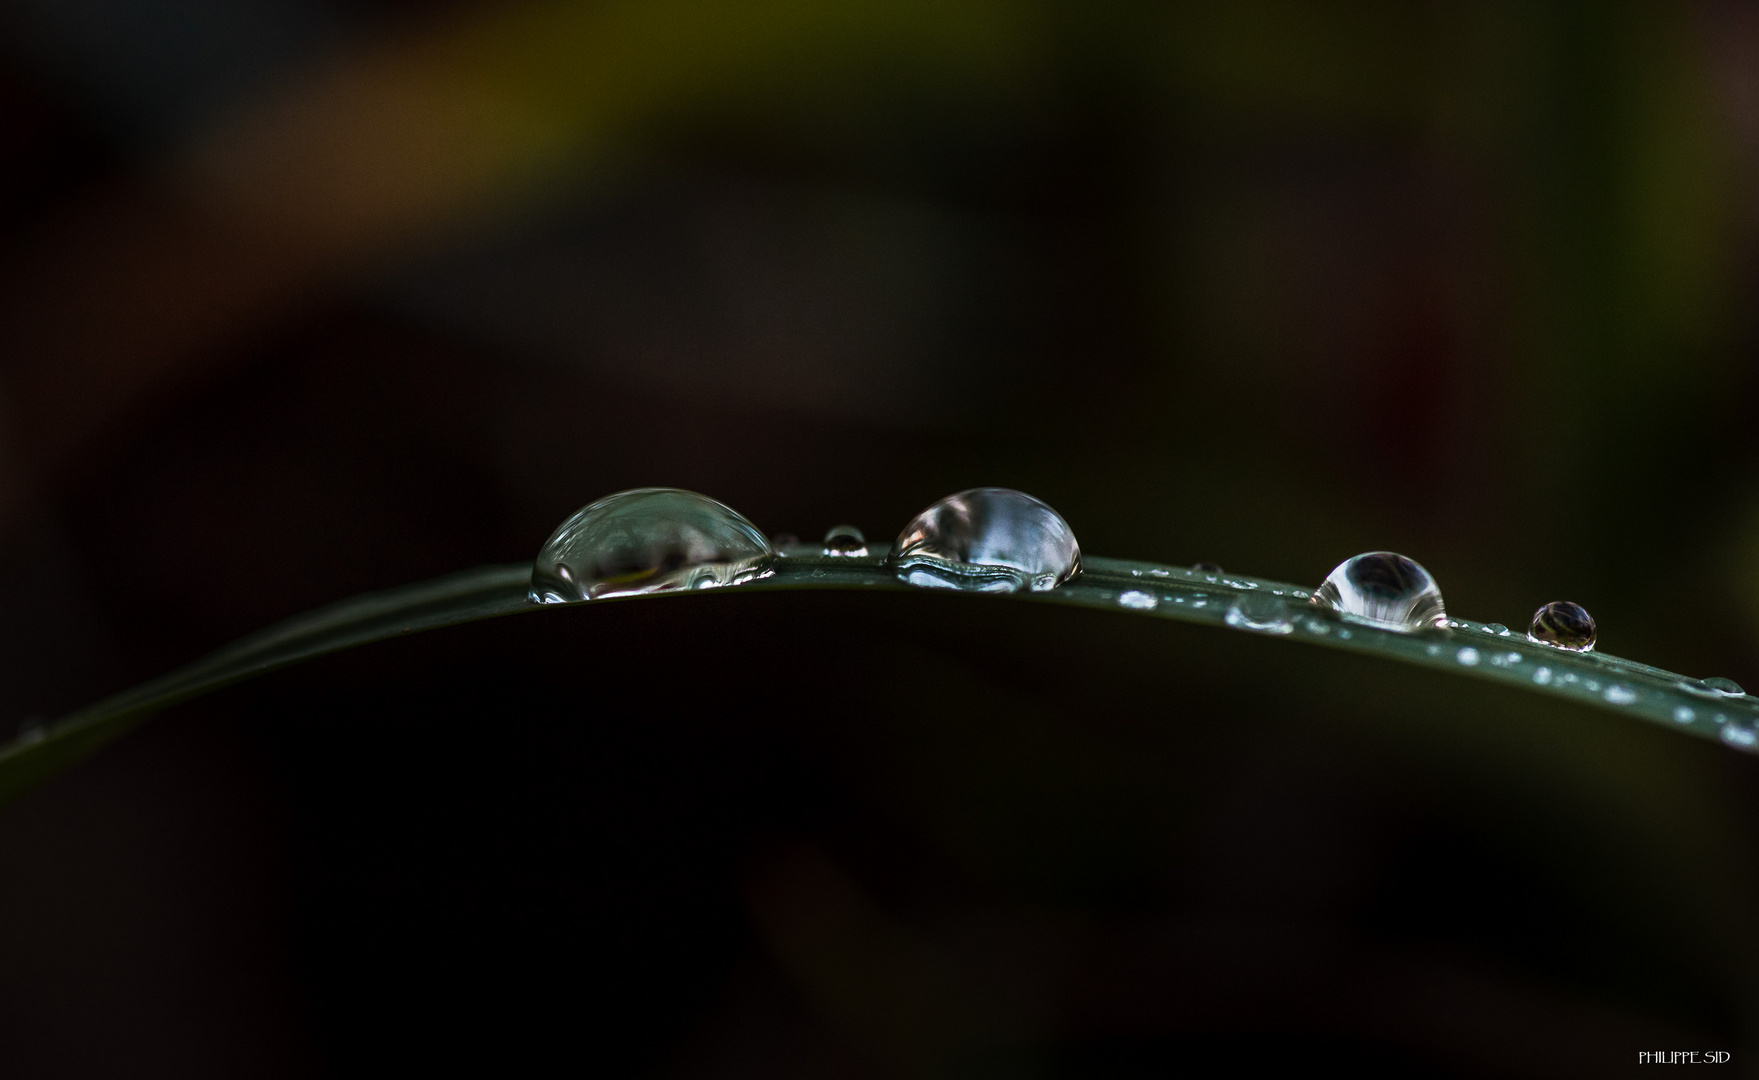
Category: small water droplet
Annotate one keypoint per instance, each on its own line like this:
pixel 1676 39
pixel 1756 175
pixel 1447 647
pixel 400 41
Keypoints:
pixel 1542 676
pixel 1385 589
pixel 1207 568
pixel 1564 625
pixel 1261 613
pixel 1496 628
pixel 1683 715
pixel 1714 687
pixel 987 540
pixel 845 541
pixel 647 540
pixel 1345 634
pixel 1158 572
pixel 1620 695
pixel 1592 686
pixel 1432 650
pixel 1507 659
pixel 1139 600
pixel 1467 656
pixel 1740 736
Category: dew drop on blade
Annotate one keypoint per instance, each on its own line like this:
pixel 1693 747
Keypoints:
pixel 647 540
pixel 1564 625
pixel 1385 589
pixel 845 541
pixel 1496 628
pixel 1740 736
pixel 987 540
pixel 1261 613
pixel 1139 600
pixel 1714 687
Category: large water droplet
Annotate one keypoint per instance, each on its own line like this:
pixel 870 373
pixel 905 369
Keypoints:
pixel 1563 624
pixel 988 540
pixel 1384 589
pixel 845 541
pixel 1260 612
pixel 643 541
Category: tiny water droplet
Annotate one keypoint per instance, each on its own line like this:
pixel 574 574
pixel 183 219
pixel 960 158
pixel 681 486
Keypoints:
pixel 1139 600
pixel 987 540
pixel 1714 687
pixel 1620 695
pixel 1496 628
pixel 1564 625
pixel 1317 627
pixel 1592 685
pixel 1467 656
pixel 845 541
pixel 1683 715
pixel 1740 736
pixel 1507 659
pixel 1158 572
pixel 1433 650
pixel 1542 676
pixel 1385 589
pixel 647 540
pixel 1261 613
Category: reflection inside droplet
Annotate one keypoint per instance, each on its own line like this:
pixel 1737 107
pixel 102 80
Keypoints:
pixel 845 541
pixel 643 541
pixel 1563 625
pixel 1385 589
pixel 1261 613
pixel 987 540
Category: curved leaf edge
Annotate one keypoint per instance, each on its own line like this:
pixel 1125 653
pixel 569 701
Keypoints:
pixel 1233 601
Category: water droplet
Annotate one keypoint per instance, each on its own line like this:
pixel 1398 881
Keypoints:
pixel 1591 685
pixel 1620 695
pixel 1683 715
pixel 1740 736
pixel 1563 624
pixel 643 541
pixel 1139 600
pixel 987 540
pixel 1432 650
pixel 845 541
pixel 1496 628
pixel 1158 572
pixel 1208 568
pixel 1260 612
pixel 1714 687
pixel 1542 676
pixel 1507 659
pixel 1467 656
pixel 1385 589
pixel 1317 627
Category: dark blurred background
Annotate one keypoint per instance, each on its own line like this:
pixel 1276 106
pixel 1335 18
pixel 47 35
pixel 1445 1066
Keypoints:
pixel 300 298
